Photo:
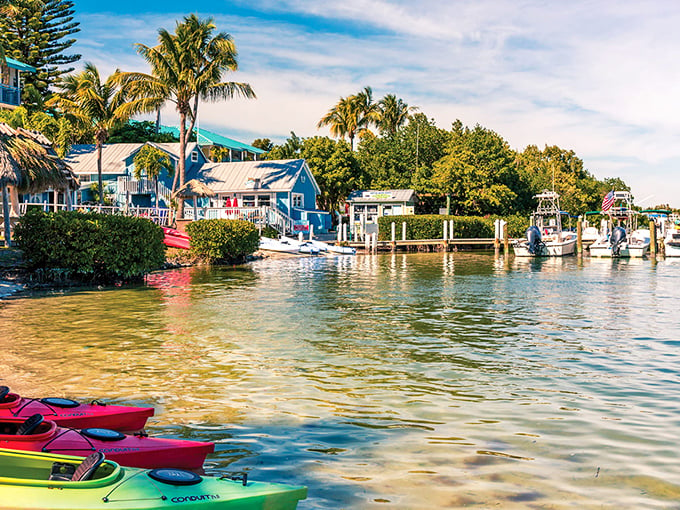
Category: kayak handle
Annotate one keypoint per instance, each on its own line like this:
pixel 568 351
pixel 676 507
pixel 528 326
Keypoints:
pixel 243 477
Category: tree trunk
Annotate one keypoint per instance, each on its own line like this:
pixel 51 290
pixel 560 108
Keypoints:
pixel 5 214
pixel 181 164
pixel 99 173
pixel 155 181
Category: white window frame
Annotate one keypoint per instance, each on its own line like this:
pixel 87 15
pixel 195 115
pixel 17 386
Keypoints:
pixel 297 200
pixel 194 157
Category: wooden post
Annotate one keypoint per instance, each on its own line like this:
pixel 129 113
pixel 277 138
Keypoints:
pixel 652 238
pixel 367 243
pixel 403 231
pixel 340 230
pixel 374 238
pixel 579 235
pixel 446 230
pixel 311 232
pixel 497 234
pixel 301 236
pixel 394 235
pixel 451 230
pixel 506 241
pixel 344 232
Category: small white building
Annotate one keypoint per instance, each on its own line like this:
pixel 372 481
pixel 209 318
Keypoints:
pixel 366 206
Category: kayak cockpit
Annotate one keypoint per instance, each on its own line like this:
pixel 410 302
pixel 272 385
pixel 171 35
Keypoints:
pixel 36 469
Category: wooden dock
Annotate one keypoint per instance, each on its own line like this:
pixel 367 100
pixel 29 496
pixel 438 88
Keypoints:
pixel 427 244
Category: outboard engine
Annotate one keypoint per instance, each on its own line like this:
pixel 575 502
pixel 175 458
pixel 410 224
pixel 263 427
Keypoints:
pixel 534 242
pixel 617 239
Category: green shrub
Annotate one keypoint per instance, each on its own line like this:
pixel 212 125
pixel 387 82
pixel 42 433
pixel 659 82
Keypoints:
pixel 431 226
pixel 229 240
pixel 90 246
pixel 270 232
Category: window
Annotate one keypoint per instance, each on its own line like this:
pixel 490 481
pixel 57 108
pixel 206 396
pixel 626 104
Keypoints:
pixel 264 200
pixel 248 200
pixel 298 200
pixel 194 156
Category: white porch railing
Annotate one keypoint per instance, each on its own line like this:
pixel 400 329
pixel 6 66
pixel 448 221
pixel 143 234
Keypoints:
pixel 264 216
pixel 261 216
pixel 160 216
pixel 141 187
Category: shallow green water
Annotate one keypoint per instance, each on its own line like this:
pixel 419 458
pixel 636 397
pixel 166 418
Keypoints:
pixel 392 381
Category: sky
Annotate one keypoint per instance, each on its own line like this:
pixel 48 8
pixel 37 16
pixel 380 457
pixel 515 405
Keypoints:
pixel 600 78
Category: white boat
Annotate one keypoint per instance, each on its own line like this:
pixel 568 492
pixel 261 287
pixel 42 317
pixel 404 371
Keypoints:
pixel 287 245
pixel 303 246
pixel 545 238
pixel 622 240
pixel 671 241
pixel 333 248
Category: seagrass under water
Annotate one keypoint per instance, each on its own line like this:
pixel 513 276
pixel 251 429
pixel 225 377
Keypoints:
pixel 391 381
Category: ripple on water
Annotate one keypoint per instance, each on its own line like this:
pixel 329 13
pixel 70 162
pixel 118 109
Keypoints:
pixel 398 381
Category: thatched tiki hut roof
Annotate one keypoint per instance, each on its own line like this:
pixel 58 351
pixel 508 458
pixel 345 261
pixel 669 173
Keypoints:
pixel 193 188
pixel 29 164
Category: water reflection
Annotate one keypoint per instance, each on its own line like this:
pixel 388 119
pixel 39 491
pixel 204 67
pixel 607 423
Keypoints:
pixel 436 380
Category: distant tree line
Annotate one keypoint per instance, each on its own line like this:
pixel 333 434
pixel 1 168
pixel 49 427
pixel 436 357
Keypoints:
pixel 467 170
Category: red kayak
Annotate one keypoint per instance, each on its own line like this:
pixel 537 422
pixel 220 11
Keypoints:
pixel 39 435
pixel 69 413
pixel 176 238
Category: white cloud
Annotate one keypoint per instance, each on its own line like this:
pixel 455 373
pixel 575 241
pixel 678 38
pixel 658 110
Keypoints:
pixel 598 78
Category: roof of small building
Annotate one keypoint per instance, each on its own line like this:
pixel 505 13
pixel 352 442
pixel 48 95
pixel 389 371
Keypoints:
pixel 15 64
pixel 206 137
pixel 389 195
pixel 83 158
pixel 241 176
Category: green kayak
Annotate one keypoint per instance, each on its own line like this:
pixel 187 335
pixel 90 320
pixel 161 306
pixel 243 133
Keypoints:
pixel 31 480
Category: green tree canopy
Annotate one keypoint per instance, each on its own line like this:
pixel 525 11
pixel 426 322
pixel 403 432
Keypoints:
pixel 478 172
pixel 139 132
pixel 335 168
pixel 38 33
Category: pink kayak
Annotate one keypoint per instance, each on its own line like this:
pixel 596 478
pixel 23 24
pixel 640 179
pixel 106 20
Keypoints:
pixel 70 413
pixel 39 435
pixel 176 238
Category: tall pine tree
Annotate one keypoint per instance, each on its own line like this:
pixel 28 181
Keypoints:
pixel 37 32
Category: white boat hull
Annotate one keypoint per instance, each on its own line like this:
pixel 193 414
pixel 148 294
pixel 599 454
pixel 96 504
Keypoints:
pixel 549 249
pixel 626 251
pixel 671 250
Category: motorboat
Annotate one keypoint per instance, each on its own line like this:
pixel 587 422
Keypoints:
pixel 545 237
pixel 671 241
pixel 622 240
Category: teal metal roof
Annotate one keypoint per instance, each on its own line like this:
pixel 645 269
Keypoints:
pixel 206 137
pixel 15 64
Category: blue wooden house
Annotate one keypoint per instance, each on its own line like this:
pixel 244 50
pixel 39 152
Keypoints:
pixel 10 82
pixel 286 187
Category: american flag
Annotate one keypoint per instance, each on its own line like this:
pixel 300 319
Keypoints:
pixel 608 201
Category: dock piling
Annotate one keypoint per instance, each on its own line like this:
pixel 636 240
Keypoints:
pixel 579 235
pixel 652 238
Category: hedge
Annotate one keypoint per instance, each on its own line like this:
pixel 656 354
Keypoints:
pixel 89 246
pixel 431 226
pixel 224 240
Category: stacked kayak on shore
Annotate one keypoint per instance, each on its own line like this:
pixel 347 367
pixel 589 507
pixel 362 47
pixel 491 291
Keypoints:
pixel 35 474
pixel 31 480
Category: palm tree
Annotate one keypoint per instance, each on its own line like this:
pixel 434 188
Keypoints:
pixel 97 106
pixel 351 115
pixel 187 66
pixel 393 114
pixel 151 160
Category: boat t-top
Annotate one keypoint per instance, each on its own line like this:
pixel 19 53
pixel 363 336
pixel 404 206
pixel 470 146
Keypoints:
pixel 622 239
pixel 545 237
